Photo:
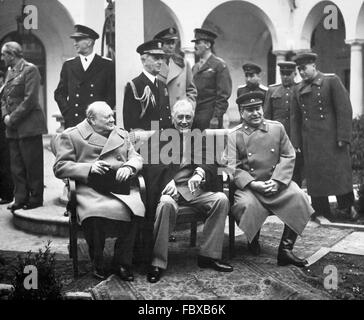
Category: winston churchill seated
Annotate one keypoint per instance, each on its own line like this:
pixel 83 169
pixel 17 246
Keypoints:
pixel 102 161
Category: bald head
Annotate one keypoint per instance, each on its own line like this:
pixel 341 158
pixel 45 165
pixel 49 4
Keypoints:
pixel 11 53
pixel 101 117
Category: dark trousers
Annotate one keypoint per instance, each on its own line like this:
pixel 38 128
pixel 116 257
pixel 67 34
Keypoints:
pixel 6 182
pixel 95 230
pixel 298 170
pixel 322 207
pixel 26 156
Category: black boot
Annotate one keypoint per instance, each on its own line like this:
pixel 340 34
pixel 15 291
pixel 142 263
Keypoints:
pixel 254 246
pixel 285 254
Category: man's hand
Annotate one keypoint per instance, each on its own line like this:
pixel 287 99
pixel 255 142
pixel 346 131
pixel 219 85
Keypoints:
pixel 7 120
pixel 170 189
pixel 267 188
pixel 100 167
pixel 194 183
pixel 214 123
pixel 123 174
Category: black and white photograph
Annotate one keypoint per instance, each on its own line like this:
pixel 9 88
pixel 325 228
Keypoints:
pixel 181 155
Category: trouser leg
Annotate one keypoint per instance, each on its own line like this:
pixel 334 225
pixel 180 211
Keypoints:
pixel 32 154
pixel 165 221
pixel 124 244
pixel 321 206
pixel 6 182
pixel 346 200
pixel 18 172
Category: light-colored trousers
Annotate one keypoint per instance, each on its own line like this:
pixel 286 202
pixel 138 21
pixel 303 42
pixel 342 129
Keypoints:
pixel 214 204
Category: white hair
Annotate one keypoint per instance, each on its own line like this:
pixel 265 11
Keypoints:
pixel 94 108
pixel 182 103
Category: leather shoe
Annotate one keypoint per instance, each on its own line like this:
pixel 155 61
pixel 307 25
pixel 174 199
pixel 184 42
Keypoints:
pixel 5 201
pixel 29 206
pixel 15 206
pixel 154 274
pixel 125 273
pixel 218 265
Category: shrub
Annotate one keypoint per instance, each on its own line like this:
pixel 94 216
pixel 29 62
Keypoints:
pixel 49 285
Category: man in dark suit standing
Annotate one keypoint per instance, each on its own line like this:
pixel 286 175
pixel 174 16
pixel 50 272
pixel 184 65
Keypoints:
pixel 146 97
pixel 252 72
pixel 84 79
pixel 6 183
pixel 212 79
pixel 25 124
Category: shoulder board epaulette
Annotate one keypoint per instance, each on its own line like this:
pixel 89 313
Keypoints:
pixel 71 58
pixel 242 86
pixel 236 128
pixel 329 74
pixel 261 86
pixel 274 85
pixel 106 58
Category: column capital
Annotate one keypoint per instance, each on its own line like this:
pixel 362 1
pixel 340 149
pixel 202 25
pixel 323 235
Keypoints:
pixel 355 42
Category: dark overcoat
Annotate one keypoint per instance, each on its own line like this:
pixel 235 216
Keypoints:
pixel 20 100
pixel 322 116
pixel 214 85
pixel 155 104
pixel 259 155
pixel 78 88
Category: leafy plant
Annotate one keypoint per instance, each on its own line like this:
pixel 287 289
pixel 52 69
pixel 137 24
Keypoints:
pixel 48 284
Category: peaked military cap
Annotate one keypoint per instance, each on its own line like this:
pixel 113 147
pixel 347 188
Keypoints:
pixel 152 47
pixel 204 34
pixel 250 99
pixel 167 34
pixel 287 66
pixel 305 58
pixel 250 67
pixel 84 32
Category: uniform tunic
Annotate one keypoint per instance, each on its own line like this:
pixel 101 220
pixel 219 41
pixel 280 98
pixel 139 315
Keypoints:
pixel 263 154
pixel 78 88
pixel 214 87
pixel 322 116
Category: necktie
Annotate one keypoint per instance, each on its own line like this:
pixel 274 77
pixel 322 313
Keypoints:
pixel 156 83
pixel 85 59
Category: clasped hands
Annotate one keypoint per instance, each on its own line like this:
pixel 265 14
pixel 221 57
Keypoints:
pixel 101 167
pixel 193 184
pixel 267 188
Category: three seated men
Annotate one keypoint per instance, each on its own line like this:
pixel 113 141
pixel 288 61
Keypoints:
pixel 92 153
pixel 261 158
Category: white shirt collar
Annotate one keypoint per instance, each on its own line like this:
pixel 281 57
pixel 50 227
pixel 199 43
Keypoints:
pixel 149 76
pixel 89 58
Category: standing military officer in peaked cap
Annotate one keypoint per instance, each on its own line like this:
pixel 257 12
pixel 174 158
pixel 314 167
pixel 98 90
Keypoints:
pixel 146 97
pixel 84 79
pixel 261 158
pixel 252 73
pixel 176 72
pixel 212 79
pixel 322 128
pixel 278 104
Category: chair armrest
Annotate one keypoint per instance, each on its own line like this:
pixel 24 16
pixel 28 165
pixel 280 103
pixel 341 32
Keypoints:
pixel 72 201
pixel 142 189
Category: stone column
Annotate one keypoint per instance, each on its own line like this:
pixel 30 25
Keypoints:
pixel 189 55
pixel 356 76
pixel 129 29
pixel 281 56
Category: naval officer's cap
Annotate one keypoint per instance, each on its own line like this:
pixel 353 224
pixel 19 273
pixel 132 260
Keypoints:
pixel 84 32
pixel 153 47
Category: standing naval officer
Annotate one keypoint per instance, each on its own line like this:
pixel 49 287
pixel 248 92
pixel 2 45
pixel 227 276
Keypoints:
pixel 84 79
pixel 278 104
pixel 252 73
pixel 213 81
pixel 322 129
pixel 146 97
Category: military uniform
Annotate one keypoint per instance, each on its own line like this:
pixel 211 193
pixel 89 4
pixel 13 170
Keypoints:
pixel 243 89
pixel 24 132
pixel 78 88
pixel 146 97
pixel 322 116
pixel 250 68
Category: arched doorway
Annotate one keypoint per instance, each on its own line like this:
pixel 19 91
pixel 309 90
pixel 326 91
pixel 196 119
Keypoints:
pixel 244 34
pixel 329 44
pixel 34 52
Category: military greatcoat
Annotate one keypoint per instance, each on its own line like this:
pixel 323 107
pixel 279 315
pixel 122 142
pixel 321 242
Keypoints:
pixel 259 155
pixel 322 116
